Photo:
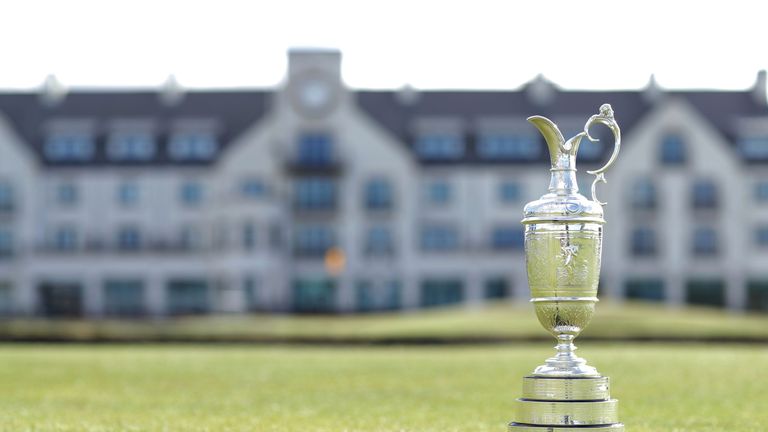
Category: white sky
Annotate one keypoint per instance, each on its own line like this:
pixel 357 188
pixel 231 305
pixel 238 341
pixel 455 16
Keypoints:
pixel 386 44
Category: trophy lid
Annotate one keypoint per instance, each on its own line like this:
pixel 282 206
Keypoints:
pixel 564 203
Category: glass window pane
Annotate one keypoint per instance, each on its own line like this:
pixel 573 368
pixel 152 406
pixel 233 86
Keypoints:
pixel 673 151
pixel 124 297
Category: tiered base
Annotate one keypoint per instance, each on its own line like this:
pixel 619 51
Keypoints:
pixel 560 404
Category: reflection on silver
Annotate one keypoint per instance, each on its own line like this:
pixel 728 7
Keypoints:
pixel 563 246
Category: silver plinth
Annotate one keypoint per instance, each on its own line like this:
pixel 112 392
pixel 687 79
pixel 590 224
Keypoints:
pixel 563 246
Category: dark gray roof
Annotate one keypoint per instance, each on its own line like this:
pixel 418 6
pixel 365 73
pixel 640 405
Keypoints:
pixel 471 106
pixel 720 108
pixel 233 111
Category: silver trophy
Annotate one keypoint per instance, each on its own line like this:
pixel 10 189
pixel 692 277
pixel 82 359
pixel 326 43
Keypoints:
pixel 563 243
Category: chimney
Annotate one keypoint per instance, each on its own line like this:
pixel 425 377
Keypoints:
pixel 759 89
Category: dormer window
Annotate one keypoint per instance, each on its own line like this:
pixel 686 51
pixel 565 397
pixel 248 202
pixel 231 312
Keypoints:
pixel 754 148
pixel 131 146
pixel 192 146
pixel 672 150
pixel 440 146
pixel 69 147
pixel 508 147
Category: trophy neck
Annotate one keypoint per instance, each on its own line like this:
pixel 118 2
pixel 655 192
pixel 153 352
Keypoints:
pixel 563 180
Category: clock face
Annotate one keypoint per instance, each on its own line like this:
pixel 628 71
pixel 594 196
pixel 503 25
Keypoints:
pixel 314 95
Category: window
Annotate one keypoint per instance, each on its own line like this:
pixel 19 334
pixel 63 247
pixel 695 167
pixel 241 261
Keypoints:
pixel 754 148
pixel 250 291
pixel 378 241
pixel 66 194
pixel 315 193
pixel 6 298
pixel 705 292
pixel 439 238
pixel 131 146
pixel 508 238
pixel 643 194
pixel 190 238
pixel 704 241
pixel 191 193
pixel 6 196
pixel 761 236
pixel 314 240
pixel 123 297
pixel 510 192
pixel 643 242
pixel 704 195
pixel 644 289
pixel 69 147
pixel 392 295
pixel 192 146
pixel 438 292
pixel 315 149
pixel 508 147
pixel 249 236
pixel 253 188
pixel 378 195
pixel 438 192
pixel 672 150
pixel 187 296
pixel 6 243
pixel 496 288
pixel 761 191
pixel 440 147
pixel 314 295
pixel 128 239
pixel 128 194
pixel 757 295
pixel 61 298
pixel 65 239
pixel 364 294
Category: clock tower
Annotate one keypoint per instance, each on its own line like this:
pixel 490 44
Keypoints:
pixel 314 86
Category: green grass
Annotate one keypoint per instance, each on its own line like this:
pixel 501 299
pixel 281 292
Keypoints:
pixel 238 388
pixel 500 321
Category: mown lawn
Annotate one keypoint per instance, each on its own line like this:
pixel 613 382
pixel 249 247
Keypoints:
pixel 674 387
pixel 499 321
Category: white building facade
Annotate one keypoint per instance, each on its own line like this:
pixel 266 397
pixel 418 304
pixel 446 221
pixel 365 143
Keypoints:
pixel 313 197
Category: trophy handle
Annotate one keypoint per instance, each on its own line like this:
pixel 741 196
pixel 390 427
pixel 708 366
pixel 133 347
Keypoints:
pixel 606 118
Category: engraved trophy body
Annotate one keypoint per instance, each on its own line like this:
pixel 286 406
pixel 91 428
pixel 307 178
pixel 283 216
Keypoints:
pixel 563 245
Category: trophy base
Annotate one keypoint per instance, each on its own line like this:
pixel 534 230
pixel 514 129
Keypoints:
pixel 555 404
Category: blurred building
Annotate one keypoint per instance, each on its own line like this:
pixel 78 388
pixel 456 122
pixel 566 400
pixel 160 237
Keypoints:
pixel 313 197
